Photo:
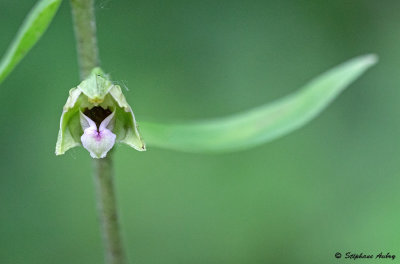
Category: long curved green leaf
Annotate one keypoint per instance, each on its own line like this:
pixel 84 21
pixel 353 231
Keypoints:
pixel 261 124
pixel 32 29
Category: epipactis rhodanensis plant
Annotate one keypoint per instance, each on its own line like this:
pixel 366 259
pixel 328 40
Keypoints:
pixel 97 116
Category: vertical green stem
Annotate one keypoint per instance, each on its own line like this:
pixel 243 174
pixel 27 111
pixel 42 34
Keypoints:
pixel 106 205
pixel 85 34
pixel 86 42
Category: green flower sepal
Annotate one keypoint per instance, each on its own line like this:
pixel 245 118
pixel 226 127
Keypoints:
pixel 96 116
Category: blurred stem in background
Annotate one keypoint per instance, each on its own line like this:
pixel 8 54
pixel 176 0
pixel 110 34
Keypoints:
pixel 86 41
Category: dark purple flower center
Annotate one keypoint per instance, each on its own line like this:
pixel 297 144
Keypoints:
pixel 97 114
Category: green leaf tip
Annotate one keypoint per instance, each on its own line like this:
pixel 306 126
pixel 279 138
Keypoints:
pixel 35 24
pixel 96 116
pixel 261 124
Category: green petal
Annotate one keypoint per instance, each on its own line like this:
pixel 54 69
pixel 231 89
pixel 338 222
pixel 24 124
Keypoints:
pixel 125 123
pixel 262 124
pixel 96 86
pixel 70 128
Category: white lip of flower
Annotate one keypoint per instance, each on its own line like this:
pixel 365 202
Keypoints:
pixel 80 125
pixel 98 141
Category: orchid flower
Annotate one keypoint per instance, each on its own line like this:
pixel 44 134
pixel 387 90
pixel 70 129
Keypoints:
pixel 96 116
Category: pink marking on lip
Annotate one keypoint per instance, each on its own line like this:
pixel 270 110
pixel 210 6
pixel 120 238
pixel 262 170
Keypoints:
pixel 97 140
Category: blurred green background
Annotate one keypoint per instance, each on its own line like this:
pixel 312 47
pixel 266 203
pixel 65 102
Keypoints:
pixel 329 187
